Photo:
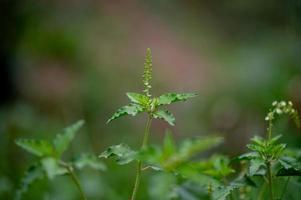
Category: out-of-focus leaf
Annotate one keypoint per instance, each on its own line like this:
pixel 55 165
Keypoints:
pixel 62 141
pixel 169 146
pixel 132 109
pixel 217 166
pixel 33 173
pixel 52 167
pixel 89 160
pixel 122 153
pixel 37 147
pixel 188 149
pixel 138 98
pixel 174 97
pixel 165 115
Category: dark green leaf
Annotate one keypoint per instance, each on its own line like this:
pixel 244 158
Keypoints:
pixel 165 115
pixel 122 153
pixel 169 98
pixel 289 172
pixel 33 173
pixel 89 160
pixel 62 141
pixel 37 147
pixel 132 109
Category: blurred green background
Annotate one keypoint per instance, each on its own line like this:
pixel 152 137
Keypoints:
pixel 67 60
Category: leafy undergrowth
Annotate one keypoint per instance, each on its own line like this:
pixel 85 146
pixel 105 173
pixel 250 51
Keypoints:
pixel 180 171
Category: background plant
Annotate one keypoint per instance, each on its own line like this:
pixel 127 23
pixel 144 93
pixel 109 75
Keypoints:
pixel 50 163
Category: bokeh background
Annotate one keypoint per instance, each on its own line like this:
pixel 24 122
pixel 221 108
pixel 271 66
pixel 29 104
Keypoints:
pixel 67 60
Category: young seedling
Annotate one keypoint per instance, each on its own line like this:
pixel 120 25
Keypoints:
pixel 144 103
pixel 50 161
pixel 267 152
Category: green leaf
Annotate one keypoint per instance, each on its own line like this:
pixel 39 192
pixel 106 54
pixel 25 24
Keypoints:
pixel 37 147
pixel 165 115
pixel 169 98
pixel 221 192
pixel 188 149
pixel 122 154
pixel 257 167
pixel 169 146
pixel 288 172
pixel 89 160
pixel 132 109
pixel 62 141
pixel 52 167
pixel 138 98
pixel 34 173
pixel 248 156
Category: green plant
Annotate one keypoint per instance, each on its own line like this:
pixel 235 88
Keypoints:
pixel 50 161
pixel 145 103
pixel 269 158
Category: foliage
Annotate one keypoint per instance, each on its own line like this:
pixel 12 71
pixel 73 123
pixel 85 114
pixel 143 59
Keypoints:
pixel 49 156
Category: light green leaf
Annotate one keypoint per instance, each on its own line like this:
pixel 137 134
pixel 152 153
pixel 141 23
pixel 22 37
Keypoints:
pixel 138 98
pixel 191 147
pixel 62 141
pixel 169 146
pixel 132 109
pixel 165 115
pixel 169 98
pixel 32 174
pixel 52 167
pixel 89 160
pixel 122 154
pixel 37 147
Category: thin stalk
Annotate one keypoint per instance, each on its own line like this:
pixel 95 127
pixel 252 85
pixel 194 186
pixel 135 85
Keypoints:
pixel 285 187
pixel 76 181
pixel 139 163
pixel 270 180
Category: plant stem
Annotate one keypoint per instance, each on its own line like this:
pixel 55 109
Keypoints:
pixel 76 181
pixel 139 164
pixel 270 180
pixel 285 187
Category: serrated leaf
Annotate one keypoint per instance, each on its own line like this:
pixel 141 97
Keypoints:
pixel 138 98
pixel 248 156
pixel 37 147
pixel 132 109
pixel 257 167
pixel 169 98
pixel 122 154
pixel 165 115
pixel 62 141
pixel 52 167
pixel 33 173
pixel 221 192
pixel 89 160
